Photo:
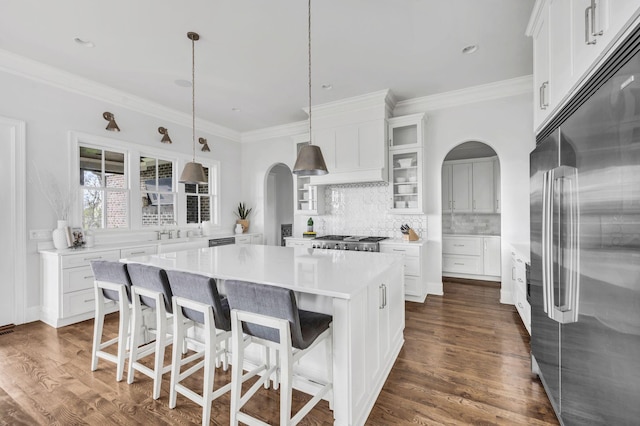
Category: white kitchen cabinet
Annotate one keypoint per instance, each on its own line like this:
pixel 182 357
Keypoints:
pixel 414 255
pixel 67 285
pixel 471 256
pixel 461 187
pixel 407 184
pixel 541 83
pixel 308 199
pixel 298 242
pixel 483 186
pixel 497 184
pixel 406 137
pixel 569 39
pixel 249 239
pixel 353 152
pixel 139 251
pixel 168 246
pixel 519 283
pixel 469 186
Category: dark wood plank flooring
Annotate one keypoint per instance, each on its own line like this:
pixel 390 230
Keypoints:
pixel 465 361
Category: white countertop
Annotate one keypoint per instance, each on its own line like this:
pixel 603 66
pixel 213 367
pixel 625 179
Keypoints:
pixel 334 273
pixel 447 234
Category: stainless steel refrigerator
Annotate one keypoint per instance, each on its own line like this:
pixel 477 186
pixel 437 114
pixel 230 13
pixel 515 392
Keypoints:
pixel 584 286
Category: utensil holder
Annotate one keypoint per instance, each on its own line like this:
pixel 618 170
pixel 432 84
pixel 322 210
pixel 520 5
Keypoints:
pixel 410 236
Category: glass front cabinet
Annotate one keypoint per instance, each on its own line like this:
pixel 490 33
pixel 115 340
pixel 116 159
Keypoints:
pixel 406 135
pixel 308 199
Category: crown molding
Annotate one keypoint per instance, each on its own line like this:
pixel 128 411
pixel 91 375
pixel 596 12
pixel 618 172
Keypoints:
pixel 355 103
pixel 485 92
pixel 37 71
pixel 283 130
pixel 536 12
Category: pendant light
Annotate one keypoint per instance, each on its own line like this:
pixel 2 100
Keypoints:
pixel 310 161
pixel 193 172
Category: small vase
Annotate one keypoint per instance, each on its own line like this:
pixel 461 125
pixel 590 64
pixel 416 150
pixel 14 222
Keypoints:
pixel 59 235
pixel 244 223
pixel 238 229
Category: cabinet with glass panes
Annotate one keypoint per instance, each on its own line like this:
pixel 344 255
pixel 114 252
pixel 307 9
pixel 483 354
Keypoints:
pixel 406 136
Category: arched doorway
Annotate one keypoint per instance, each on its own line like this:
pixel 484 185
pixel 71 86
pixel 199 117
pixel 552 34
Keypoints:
pixel 278 202
pixel 471 221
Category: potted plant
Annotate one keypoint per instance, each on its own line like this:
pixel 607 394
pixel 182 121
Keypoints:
pixel 243 214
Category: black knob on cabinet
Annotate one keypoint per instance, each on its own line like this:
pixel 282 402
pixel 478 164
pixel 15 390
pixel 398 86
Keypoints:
pixel 346 247
pixel 355 248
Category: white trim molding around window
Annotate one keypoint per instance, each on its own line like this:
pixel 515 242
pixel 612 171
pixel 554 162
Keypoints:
pixel 123 185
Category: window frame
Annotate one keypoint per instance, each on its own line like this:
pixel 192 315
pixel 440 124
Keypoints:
pixel 133 152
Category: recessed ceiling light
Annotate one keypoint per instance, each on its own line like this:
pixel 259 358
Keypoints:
pixel 327 86
pixel 236 109
pixel 84 43
pixel 468 50
pixel 183 83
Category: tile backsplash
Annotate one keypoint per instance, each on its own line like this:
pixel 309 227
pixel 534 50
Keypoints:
pixel 472 224
pixel 361 209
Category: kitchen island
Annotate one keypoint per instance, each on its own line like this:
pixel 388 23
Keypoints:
pixel 364 292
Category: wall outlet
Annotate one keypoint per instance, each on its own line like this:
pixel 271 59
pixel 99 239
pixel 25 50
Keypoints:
pixel 39 234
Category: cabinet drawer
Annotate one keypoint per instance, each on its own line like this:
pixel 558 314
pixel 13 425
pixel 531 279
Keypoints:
pixel 74 279
pixel 523 308
pixel 293 243
pixel 78 302
pixel 84 259
pixel 462 264
pixel 397 249
pixel 243 239
pixel 412 286
pixel 412 266
pixel 462 245
pixel 138 251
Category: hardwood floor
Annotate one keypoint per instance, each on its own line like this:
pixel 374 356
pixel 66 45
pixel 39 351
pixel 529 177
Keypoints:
pixel 465 361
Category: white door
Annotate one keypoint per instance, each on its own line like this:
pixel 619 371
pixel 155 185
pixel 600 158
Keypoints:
pixel 12 234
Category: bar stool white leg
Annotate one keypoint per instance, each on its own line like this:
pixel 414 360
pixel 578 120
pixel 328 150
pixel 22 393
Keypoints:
pixel 97 327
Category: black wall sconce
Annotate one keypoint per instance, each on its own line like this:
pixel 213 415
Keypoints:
pixel 165 135
pixel 112 126
pixel 205 145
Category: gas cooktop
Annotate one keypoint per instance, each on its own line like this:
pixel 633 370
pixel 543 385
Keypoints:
pixel 347 242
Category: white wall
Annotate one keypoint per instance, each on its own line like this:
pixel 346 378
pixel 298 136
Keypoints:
pixel 506 125
pixel 50 113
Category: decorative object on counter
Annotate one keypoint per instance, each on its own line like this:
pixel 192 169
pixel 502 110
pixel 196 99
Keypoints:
pixel 112 126
pixel 310 160
pixel 89 239
pixel 193 172
pixel 165 135
pixel 310 225
pixel 75 237
pixel 239 229
pixel 59 235
pixel 205 145
pixel 243 214
pixel 408 234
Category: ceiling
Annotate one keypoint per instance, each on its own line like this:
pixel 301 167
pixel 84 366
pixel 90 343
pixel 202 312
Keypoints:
pixel 252 54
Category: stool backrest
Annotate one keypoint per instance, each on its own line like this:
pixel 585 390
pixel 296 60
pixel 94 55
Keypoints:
pixel 112 272
pixel 266 300
pixel 152 278
pixel 200 289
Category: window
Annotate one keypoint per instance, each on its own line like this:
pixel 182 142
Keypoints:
pixel 157 192
pixel 202 202
pixel 105 188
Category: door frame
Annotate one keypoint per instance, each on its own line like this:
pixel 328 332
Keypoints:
pixel 18 250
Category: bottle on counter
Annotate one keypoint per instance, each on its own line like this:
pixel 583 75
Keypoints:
pixel 310 225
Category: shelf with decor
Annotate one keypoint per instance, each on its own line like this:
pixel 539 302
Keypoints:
pixel 405 163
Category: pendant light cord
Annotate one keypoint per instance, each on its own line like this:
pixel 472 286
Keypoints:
pixel 193 96
pixel 309 34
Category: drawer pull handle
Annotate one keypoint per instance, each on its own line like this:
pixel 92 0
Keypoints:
pixel 93 258
pixel 89 300
pixel 520 279
pixel 520 304
pixel 461 264
pixel 519 260
pixel 399 250
pixel 138 252
pixel 458 245
pixel 88 276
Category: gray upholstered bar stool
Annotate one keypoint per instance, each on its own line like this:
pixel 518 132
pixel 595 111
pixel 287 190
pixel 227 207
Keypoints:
pixel 270 316
pixel 150 287
pixel 196 297
pixel 112 284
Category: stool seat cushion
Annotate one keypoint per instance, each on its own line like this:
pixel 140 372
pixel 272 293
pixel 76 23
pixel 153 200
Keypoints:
pixel 280 303
pixel 113 272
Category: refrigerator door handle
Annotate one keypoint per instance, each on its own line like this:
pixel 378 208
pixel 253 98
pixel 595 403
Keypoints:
pixel 547 242
pixel 562 184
